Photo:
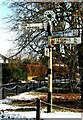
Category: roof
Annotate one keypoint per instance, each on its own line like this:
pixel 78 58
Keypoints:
pixel 3 57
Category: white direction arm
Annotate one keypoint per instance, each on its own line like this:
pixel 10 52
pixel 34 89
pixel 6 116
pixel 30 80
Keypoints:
pixel 31 25
pixel 34 25
pixel 74 40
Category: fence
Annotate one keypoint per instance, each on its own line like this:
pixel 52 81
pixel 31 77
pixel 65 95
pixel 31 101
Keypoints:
pixel 20 87
pixel 40 104
pixel 39 108
pixel 63 86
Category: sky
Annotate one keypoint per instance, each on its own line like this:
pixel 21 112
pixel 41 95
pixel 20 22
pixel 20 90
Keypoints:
pixel 5 44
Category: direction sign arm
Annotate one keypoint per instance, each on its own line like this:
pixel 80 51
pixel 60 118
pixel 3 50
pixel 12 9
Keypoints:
pixel 31 25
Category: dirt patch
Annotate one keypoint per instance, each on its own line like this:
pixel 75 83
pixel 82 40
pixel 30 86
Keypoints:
pixel 71 101
pixel 56 96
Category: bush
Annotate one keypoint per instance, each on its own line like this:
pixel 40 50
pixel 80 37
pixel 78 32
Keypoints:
pixel 39 78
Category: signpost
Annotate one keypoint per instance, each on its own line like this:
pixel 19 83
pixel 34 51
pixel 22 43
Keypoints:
pixel 57 37
pixel 47 25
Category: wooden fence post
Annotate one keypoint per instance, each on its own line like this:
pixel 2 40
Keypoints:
pixel 40 84
pixel 44 82
pixel 16 89
pixel 38 110
pixel 3 93
pixel 26 87
pixel 33 85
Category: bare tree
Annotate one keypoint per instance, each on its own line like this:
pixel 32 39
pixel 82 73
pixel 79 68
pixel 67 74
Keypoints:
pixel 67 16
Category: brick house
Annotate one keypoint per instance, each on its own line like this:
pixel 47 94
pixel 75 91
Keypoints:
pixel 36 70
